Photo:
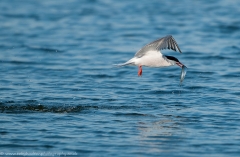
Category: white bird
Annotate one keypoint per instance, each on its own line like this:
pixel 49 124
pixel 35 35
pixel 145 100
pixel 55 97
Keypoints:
pixel 151 56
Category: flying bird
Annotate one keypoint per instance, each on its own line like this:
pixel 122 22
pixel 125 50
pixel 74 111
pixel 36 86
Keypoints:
pixel 151 56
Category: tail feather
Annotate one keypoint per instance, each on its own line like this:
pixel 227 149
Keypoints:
pixel 123 64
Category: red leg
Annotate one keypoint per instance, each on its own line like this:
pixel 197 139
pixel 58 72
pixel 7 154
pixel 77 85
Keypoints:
pixel 140 71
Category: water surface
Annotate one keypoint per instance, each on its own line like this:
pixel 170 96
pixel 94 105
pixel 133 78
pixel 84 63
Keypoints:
pixel 61 94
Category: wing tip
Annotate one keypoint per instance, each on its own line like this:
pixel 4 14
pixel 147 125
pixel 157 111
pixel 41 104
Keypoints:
pixel 175 43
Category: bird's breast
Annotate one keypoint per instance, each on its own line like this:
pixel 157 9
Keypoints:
pixel 153 59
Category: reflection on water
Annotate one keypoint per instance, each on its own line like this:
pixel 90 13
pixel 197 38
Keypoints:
pixel 159 129
pixel 162 135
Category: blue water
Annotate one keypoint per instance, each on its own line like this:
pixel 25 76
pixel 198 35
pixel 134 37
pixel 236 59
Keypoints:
pixel 60 94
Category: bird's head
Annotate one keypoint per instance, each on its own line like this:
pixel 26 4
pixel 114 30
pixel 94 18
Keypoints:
pixel 174 61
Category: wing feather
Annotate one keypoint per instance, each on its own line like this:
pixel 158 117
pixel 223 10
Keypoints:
pixel 167 42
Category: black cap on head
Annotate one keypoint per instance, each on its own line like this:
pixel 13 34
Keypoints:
pixel 172 58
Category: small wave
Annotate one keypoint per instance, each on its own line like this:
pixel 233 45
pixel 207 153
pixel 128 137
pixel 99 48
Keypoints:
pixel 226 28
pixel 134 114
pixel 30 106
pixel 44 49
pixel 21 16
pixel 18 62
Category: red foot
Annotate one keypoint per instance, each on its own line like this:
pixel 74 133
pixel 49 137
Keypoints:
pixel 140 71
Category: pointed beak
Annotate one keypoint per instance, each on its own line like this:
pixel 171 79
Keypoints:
pixel 179 64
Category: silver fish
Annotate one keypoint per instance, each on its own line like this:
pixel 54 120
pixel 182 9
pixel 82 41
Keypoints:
pixel 183 73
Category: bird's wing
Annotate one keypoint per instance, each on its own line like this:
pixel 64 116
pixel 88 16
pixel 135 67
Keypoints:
pixel 167 42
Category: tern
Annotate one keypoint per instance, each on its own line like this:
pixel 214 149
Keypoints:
pixel 151 56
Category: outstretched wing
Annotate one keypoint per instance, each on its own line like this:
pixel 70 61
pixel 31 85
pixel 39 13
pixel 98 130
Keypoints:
pixel 167 42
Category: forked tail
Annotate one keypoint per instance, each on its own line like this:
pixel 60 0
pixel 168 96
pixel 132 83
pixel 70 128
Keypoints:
pixel 123 64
